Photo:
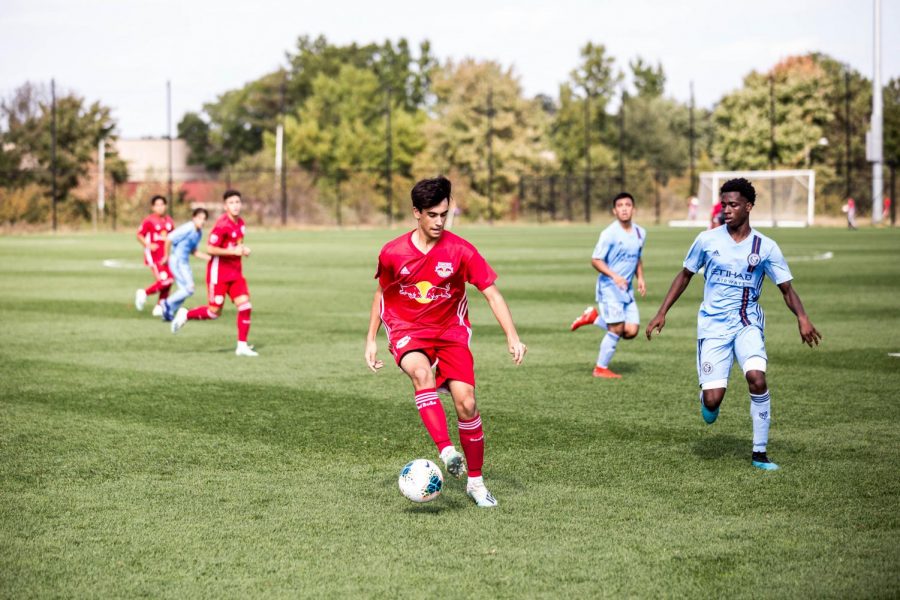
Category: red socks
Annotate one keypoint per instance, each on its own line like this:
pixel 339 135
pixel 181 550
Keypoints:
pixel 471 438
pixel 432 413
pixel 201 313
pixel 243 321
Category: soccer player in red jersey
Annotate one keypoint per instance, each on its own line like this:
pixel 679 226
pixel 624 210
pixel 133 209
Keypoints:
pixel 152 236
pixel 224 274
pixel 421 300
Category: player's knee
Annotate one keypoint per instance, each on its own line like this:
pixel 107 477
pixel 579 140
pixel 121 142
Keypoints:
pixel 631 331
pixel 756 381
pixel 713 398
pixel 242 299
pixel 617 329
pixel 465 406
pixel 422 377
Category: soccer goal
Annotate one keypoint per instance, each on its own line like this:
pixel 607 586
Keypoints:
pixel 783 198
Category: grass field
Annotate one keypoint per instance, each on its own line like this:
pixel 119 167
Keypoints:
pixel 137 463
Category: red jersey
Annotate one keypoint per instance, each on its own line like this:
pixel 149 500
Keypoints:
pixel 155 229
pixel 424 295
pixel 225 234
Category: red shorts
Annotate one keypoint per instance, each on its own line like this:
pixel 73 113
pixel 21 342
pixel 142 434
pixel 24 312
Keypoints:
pixel 162 273
pixel 450 360
pixel 233 288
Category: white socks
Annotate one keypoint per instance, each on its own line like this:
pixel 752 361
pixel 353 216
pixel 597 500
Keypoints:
pixel 761 413
pixel 607 349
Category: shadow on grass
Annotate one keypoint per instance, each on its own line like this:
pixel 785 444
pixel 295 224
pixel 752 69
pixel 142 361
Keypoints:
pixel 718 447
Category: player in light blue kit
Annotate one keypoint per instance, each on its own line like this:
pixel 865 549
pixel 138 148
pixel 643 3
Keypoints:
pixel 730 322
pixel 617 259
pixel 183 242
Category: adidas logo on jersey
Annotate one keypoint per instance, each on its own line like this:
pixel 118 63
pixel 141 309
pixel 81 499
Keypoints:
pixel 715 253
pixel 404 271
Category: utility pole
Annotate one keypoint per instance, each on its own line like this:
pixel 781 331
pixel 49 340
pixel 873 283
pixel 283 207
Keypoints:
pixel 490 144
pixel 389 159
pixel 876 141
pixel 622 182
pixel 587 155
pixel 693 185
pixel 169 137
pixel 848 166
pixel 280 172
pixel 101 182
pixel 773 152
pixel 53 148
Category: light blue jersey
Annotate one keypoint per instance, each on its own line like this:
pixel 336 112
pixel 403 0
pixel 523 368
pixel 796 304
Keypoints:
pixel 185 240
pixel 734 277
pixel 621 251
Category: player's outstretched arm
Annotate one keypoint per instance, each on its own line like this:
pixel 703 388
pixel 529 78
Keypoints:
pixel 501 312
pixel 808 333
pixel 679 284
pixel 374 325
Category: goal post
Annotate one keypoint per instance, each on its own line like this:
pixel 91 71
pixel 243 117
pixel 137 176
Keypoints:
pixel 783 198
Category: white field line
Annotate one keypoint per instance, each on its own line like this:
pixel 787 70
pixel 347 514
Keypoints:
pixel 821 256
pixel 115 263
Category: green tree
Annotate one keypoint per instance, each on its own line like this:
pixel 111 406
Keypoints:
pixel 892 122
pixel 649 81
pixel 458 133
pixel 802 116
pixel 26 138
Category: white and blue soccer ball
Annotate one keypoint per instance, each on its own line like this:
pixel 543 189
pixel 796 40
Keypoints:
pixel 421 480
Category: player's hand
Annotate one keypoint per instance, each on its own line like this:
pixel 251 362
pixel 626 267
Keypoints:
pixel 642 286
pixel 657 323
pixel 808 333
pixel 153 246
pixel 620 282
pixel 245 250
pixel 518 350
pixel 371 351
pixel 164 260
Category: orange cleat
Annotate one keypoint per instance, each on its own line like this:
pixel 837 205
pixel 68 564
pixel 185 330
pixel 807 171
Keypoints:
pixel 587 318
pixel 605 373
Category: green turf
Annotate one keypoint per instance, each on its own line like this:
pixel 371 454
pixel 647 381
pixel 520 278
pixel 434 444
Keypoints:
pixel 134 463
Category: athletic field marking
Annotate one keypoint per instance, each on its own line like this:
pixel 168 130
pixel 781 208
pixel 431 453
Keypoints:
pixel 897 354
pixel 821 256
pixel 115 263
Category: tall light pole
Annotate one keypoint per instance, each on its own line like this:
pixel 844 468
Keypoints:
pixel 490 145
pixel 587 154
pixel 875 141
pixel 389 158
pixel 53 147
pixel 169 137
pixel 693 186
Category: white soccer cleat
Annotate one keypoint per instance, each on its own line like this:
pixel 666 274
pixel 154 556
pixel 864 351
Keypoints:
pixel 140 298
pixel 453 461
pixel 157 310
pixel 480 494
pixel 243 349
pixel 179 320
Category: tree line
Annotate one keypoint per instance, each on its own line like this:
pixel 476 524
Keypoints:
pixel 361 121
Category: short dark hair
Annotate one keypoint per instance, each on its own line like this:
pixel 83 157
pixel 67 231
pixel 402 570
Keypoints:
pixel 621 195
pixel 197 211
pixel 742 187
pixel 229 193
pixel 430 192
pixel 158 197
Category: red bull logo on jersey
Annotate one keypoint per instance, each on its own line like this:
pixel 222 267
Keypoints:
pixel 444 269
pixel 425 292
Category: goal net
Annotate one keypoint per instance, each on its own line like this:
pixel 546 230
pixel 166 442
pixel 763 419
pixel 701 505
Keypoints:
pixel 783 198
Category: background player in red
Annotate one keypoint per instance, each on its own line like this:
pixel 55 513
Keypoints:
pixel 152 236
pixel 421 300
pixel 224 274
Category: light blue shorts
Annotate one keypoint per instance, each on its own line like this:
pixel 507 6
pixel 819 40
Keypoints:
pixel 716 355
pixel 184 277
pixel 619 312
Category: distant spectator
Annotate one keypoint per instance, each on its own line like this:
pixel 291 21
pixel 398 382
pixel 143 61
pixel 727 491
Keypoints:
pixel 850 209
pixel 693 203
pixel 886 214
pixel 717 218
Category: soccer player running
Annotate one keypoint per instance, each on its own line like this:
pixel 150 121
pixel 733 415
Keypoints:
pixel 617 259
pixel 181 245
pixel 730 322
pixel 224 274
pixel 152 236
pixel 421 299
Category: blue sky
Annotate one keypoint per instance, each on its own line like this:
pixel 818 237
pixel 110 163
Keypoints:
pixel 122 51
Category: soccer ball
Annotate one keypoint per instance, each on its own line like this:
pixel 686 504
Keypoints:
pixel 421 480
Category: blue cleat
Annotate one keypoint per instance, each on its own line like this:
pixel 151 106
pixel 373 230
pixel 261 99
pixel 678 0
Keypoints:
pixel 709 416
pixel 761 461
